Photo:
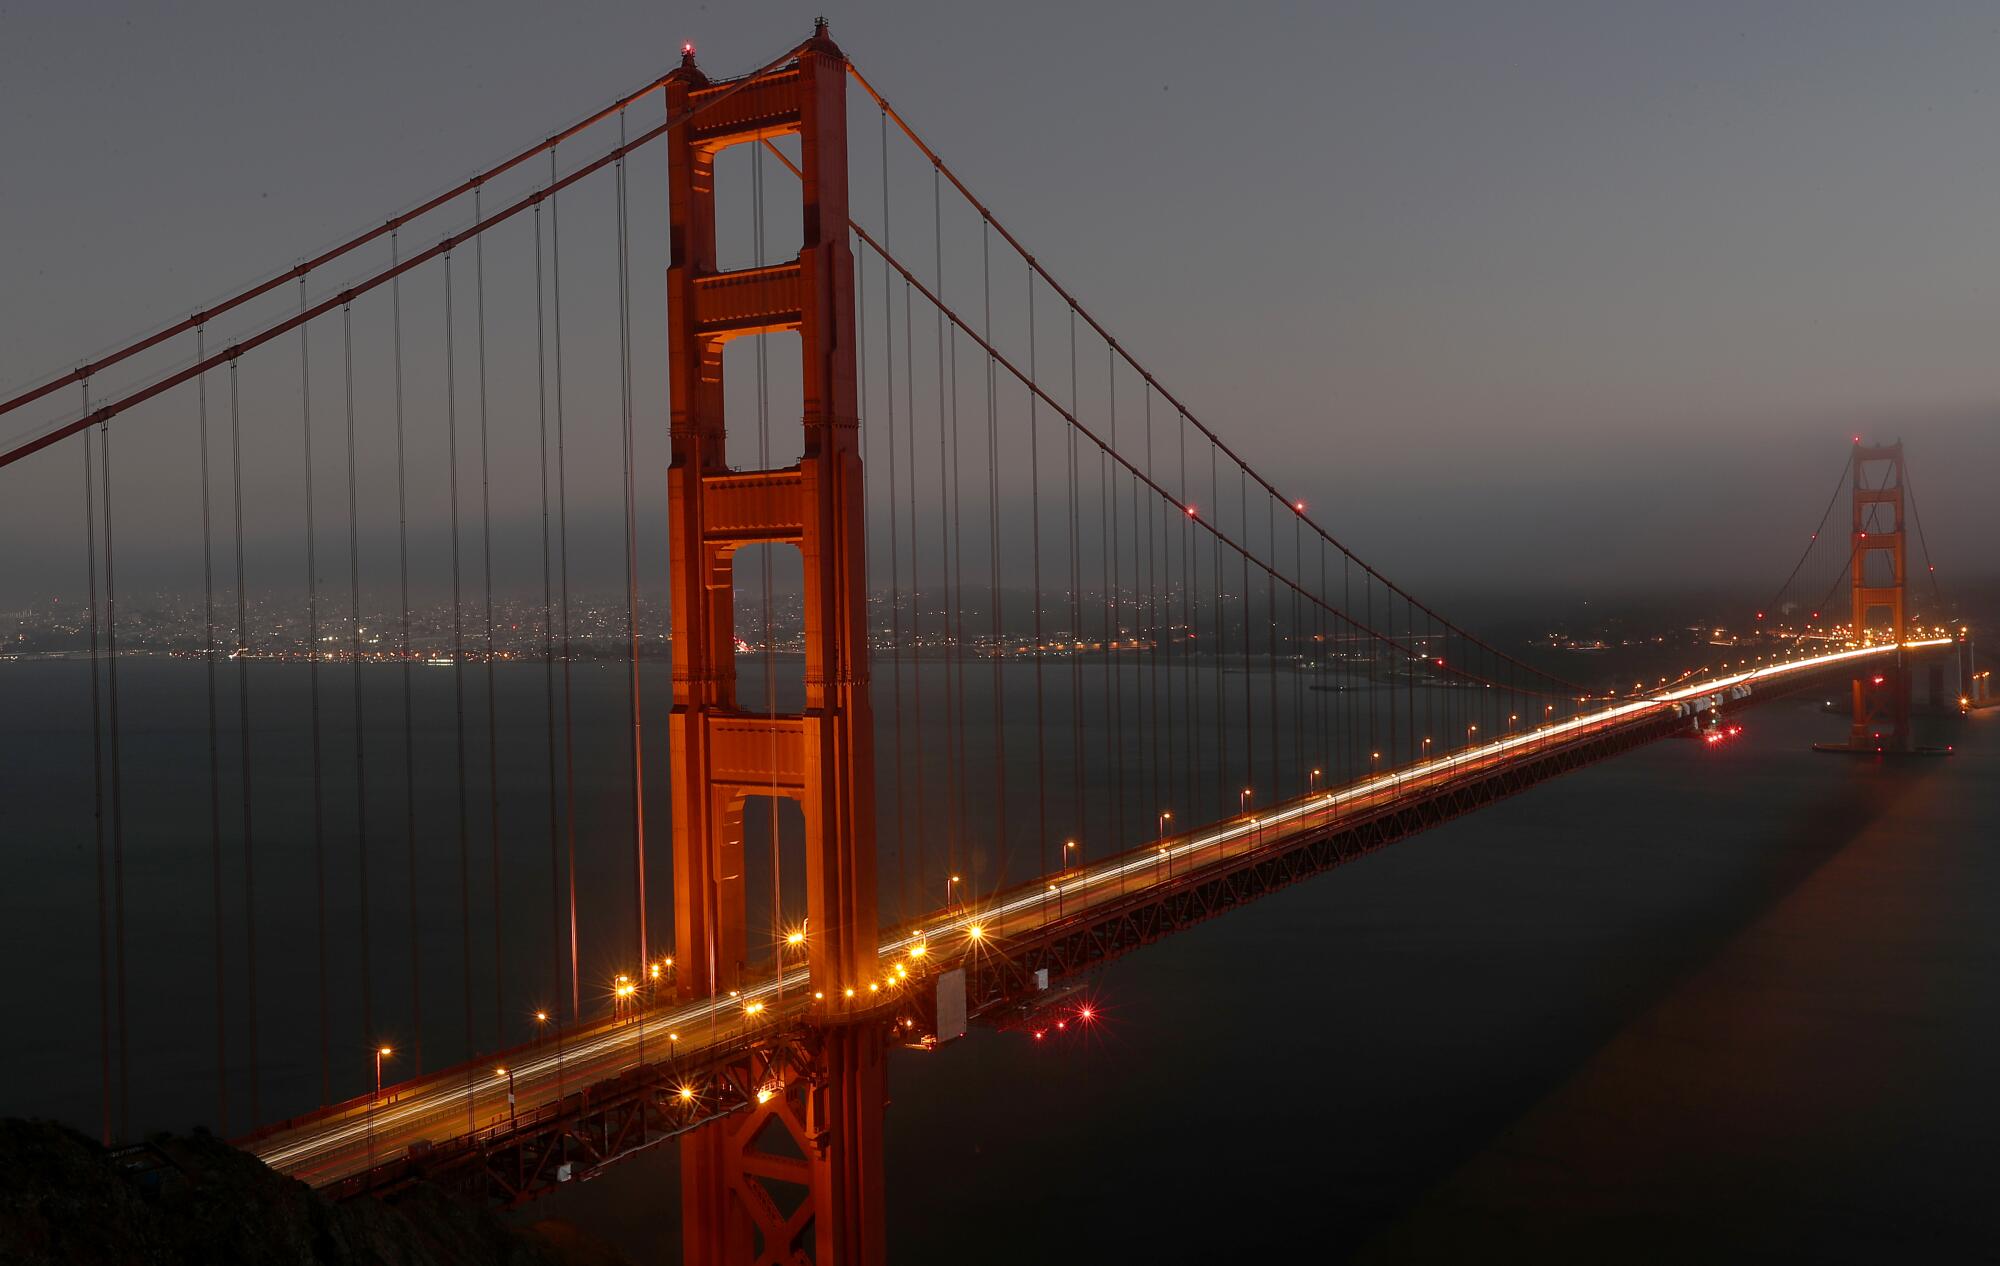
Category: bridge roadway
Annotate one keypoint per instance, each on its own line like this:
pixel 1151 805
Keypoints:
pixel 349 1139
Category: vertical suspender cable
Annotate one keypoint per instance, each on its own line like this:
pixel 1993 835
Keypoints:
pixel 403 651
pixel 916 589
pixel 312 696
pixel 1221 700
pixel 1152 610
pixel 1294 659
pixel 1035 535
pixel 895 547
pixel 1249 691
pixel 1076 639
pixel 548 625
pixel 993 567
pixel 1271 634
pixel 957 581
pixel 631 550
pixel 403 654
pixel 1191 699
pixel 117 796
pixel 1116 739
pixel 111 679
pixel 97 786
pixel 486 562
pixel 1105 522
pixel 562 566
pixel 360 711
pixel 214 753
pixel 951 813
pixel 458 683
pixel 243 742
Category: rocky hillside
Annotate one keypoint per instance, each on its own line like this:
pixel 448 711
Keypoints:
pixel 194 1199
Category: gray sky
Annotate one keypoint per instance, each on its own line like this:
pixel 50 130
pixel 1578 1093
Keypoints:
pixel 1571 291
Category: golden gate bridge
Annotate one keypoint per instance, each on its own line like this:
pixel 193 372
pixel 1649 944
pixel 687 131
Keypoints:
pixel 1220 698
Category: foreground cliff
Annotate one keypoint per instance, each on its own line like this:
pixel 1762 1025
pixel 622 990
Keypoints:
pixel 194 1199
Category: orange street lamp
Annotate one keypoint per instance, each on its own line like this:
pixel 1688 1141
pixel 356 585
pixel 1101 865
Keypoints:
pixel 542 1022
pixel 508 1073
pixel 381 1053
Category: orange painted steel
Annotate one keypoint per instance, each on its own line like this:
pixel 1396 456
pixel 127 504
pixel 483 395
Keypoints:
pixel 1881 695
pixel 823 757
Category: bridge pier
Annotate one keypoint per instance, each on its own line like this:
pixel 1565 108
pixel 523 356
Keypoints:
pixel 799 1176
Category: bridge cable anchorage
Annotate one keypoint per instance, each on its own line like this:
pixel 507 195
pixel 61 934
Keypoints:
pixel 214 750
pixel 941 168
pixel 404 654
pixel 105 1096
pixel 388 227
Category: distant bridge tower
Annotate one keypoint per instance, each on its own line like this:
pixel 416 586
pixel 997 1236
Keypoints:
pixel 1882 693
pixel 736 1190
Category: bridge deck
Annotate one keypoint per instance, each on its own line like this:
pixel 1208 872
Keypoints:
pixel 664 1069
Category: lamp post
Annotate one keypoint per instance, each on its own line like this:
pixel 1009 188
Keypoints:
pixel 381 1053
pixel 1166 816
pixel 950 891
pixel 1312 787
pixel 512 1121
pixel 542 1021
pixel 795 940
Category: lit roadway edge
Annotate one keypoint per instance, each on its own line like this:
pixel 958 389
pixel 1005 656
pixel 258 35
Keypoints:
pixel 351 1137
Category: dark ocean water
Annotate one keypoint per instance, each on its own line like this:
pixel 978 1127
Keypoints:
pixel 1689 1004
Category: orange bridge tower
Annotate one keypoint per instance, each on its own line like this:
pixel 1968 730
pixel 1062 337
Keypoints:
pixel 748 1194
pixel 1881 692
